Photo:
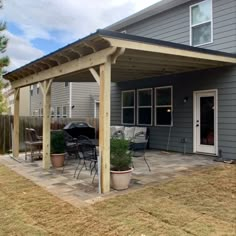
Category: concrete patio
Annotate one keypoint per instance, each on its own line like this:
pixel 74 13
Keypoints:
pixel 164 166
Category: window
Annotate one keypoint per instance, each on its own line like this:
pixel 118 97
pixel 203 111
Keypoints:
pixel 127 107
pixel 144 111
pixel 66 84
pixel 201 23
pixel 163 106
pixel 31 90
pixel 64 110
pixel 58 111
pixel 52 112
pixel 41 111
pixel 38 88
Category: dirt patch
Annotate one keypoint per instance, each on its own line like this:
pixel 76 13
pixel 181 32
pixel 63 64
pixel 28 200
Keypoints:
pixel 202 203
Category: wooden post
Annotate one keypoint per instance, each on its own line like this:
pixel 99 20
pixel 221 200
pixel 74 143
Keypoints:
pixel 16 136
pixel 104 124
pixel 46 90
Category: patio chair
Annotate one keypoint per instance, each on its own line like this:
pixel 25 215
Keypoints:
pixel 33 144
pixel 138 147
pixel 119 134
pixel 88 153
pixel 71 145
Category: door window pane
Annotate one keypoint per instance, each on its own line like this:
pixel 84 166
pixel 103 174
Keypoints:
pixel 207 110
pixel 201 12
pixel 201 34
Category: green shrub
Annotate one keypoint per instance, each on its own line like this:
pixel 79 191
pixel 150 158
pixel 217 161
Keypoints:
pixel 121 158
pixel 57 142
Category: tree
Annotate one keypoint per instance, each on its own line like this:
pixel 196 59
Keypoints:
pixel 4 61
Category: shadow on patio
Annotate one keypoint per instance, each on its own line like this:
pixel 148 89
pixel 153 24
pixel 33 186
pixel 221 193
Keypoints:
pixel 81 191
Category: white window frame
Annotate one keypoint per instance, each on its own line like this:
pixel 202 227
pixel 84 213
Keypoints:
pixel 209 21
pixel 37 90
pixel 156 106
pixel 138 106
pixel 31 90
pixel 122 92
pixel 64 115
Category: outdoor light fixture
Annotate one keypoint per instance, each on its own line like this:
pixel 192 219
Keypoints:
pixel 185 99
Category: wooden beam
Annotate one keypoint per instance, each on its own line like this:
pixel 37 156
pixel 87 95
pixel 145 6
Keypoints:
pixel 16 137
pixel 168 50
pixel 85 62
pixel 46 90
pixel 104 124
pixel 95 75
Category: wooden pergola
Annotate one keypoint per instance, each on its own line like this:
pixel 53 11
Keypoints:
pixel 106 57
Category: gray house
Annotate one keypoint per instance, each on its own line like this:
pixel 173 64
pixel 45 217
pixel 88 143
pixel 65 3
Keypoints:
pixel 195 111
pixel 174 71
pixel 73 100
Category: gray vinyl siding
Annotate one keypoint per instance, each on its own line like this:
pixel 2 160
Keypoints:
pixel 59 97
pixel 83 99
pixel 223 79
pixel 174 26
pixel 83 95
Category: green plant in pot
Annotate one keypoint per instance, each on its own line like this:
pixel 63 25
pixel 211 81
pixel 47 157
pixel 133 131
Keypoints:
pixel 121 160
pixel 57 148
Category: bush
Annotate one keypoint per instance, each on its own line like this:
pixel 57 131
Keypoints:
pixel 57 142
pixel 121 158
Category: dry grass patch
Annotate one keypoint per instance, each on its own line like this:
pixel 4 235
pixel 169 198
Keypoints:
pixel 202 203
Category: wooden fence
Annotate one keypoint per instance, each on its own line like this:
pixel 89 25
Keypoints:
pixel 6 128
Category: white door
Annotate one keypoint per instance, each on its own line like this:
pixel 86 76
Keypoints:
pixel 205 122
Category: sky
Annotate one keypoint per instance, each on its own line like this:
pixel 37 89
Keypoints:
pixel 38 27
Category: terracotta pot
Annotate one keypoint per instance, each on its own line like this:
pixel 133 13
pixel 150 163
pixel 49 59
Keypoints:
pixel 120 179
pixel 58 160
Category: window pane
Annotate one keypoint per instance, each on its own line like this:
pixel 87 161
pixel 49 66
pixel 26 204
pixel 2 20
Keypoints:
pixel 58 111
pixel 128 116
pixel 145 116
pixel 201 34
pixel 64 111
pixel 201 12
pixel 163 116
pixel 145 97
pixel 163 96
pixel 128 99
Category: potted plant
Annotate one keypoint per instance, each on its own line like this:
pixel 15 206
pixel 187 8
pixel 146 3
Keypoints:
pixel 121 160
pixel 57 148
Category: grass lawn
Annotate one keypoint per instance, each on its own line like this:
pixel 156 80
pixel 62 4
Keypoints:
pixel 202 203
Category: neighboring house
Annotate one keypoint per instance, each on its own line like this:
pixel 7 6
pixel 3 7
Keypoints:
pixel 74 100
pixel 194 111
pixel 8 93
pixel 169 80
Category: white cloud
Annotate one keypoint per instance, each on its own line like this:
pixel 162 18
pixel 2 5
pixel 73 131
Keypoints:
pixel 20 51
pixel 38 19
pixel 58 20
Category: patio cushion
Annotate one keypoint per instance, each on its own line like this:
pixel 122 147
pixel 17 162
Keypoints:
pixel 129 133
pixel 116 128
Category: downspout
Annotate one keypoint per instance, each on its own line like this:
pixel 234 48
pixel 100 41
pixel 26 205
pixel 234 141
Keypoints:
pixel 70 99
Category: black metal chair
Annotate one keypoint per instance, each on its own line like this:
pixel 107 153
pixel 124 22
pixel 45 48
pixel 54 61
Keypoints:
pixel 71 145
pixel 138 147
pixel 88 153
